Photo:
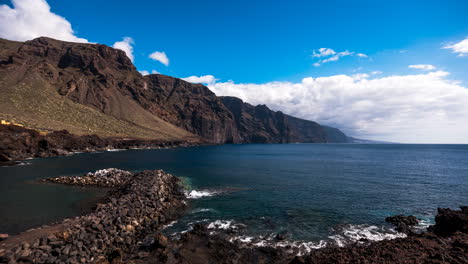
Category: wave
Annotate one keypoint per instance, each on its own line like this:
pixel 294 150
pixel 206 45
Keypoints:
pixel 169 225
pixel 225 225
pixel 422 225
pixel 362 233
pixel 113 150
pixel 201 210
pixel 196 194
pixel 344 236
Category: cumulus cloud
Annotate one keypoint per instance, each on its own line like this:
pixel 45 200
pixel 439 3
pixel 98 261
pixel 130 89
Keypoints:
pixel 323 52
pixel 424 67
pixel 160 56
pixel 29 19
pixel 125 45
pixel 326 55
pixel 205 79
pixel 460 47
pixel 407 108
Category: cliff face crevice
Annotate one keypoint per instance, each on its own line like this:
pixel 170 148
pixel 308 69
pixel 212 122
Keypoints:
pixel 104 79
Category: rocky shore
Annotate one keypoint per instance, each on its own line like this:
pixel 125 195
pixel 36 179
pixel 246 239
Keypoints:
pixel 19 143
pixel 127 228
pixel 138 206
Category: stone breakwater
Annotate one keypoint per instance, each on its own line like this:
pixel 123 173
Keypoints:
pixel 123 226
pixel 104 178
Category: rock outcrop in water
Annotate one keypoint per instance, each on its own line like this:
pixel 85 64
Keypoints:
pixel 94 89
pixel 403 223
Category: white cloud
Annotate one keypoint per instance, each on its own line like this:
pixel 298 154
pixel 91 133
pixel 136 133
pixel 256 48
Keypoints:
pixel 408 108
pixel 424 67
pixel 376 72
pixel 205 79
pixel 160 56
pixel 328 55
pixel 323 52
pixel 29 19
pixel 360 76
pixel 125 45
pixel 461 47
pixel 145 72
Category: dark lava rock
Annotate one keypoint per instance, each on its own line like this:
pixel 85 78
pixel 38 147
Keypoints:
pixel 198 246
pixel 403 223
pixel 450 221
pixel 18 143
pixel 281 236
pixel 145 196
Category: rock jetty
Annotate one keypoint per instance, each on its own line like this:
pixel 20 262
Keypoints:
pixel 104 178
pixel 137 207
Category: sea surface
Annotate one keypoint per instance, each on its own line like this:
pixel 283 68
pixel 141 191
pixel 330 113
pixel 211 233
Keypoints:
pixel 308 192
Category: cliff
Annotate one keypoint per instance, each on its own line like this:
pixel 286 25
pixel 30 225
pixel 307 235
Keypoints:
pixel 52 85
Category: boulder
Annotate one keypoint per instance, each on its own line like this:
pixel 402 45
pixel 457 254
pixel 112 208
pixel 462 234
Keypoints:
pixel 403 223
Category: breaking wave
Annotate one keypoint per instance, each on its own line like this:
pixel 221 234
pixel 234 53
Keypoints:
pixel 196 194
pixel 344 236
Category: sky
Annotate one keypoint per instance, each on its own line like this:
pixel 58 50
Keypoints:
pixel 381 70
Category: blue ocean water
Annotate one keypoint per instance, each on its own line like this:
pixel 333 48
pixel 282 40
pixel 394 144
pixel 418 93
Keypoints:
pixel 307 190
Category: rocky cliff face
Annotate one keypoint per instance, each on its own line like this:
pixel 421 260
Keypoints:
pixel 259 124
pixel 92 88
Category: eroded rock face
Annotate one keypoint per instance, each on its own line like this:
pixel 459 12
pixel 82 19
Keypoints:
pixel 17 143
pixel 259 124
pixel 138 208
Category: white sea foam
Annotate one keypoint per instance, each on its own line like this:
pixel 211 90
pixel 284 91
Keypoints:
pixel 169 225
pixel 297 247
pixel 225 225
pixel 361 233
pixel 221 224
pixel 196 194
pixel 201 210
pixel 115 149
pixel 422 225
pixel 348 235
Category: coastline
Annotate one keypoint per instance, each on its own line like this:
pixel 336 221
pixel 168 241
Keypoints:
pixel 125 228
pixel 19 144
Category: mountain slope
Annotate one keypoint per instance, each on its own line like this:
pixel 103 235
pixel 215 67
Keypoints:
pixel 51 85
pixel 94 89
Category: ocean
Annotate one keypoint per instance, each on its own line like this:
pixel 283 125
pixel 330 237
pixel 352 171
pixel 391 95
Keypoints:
pixel 310 193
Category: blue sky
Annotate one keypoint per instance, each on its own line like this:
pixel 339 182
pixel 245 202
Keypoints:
pixel 261 41
pixel 262 51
